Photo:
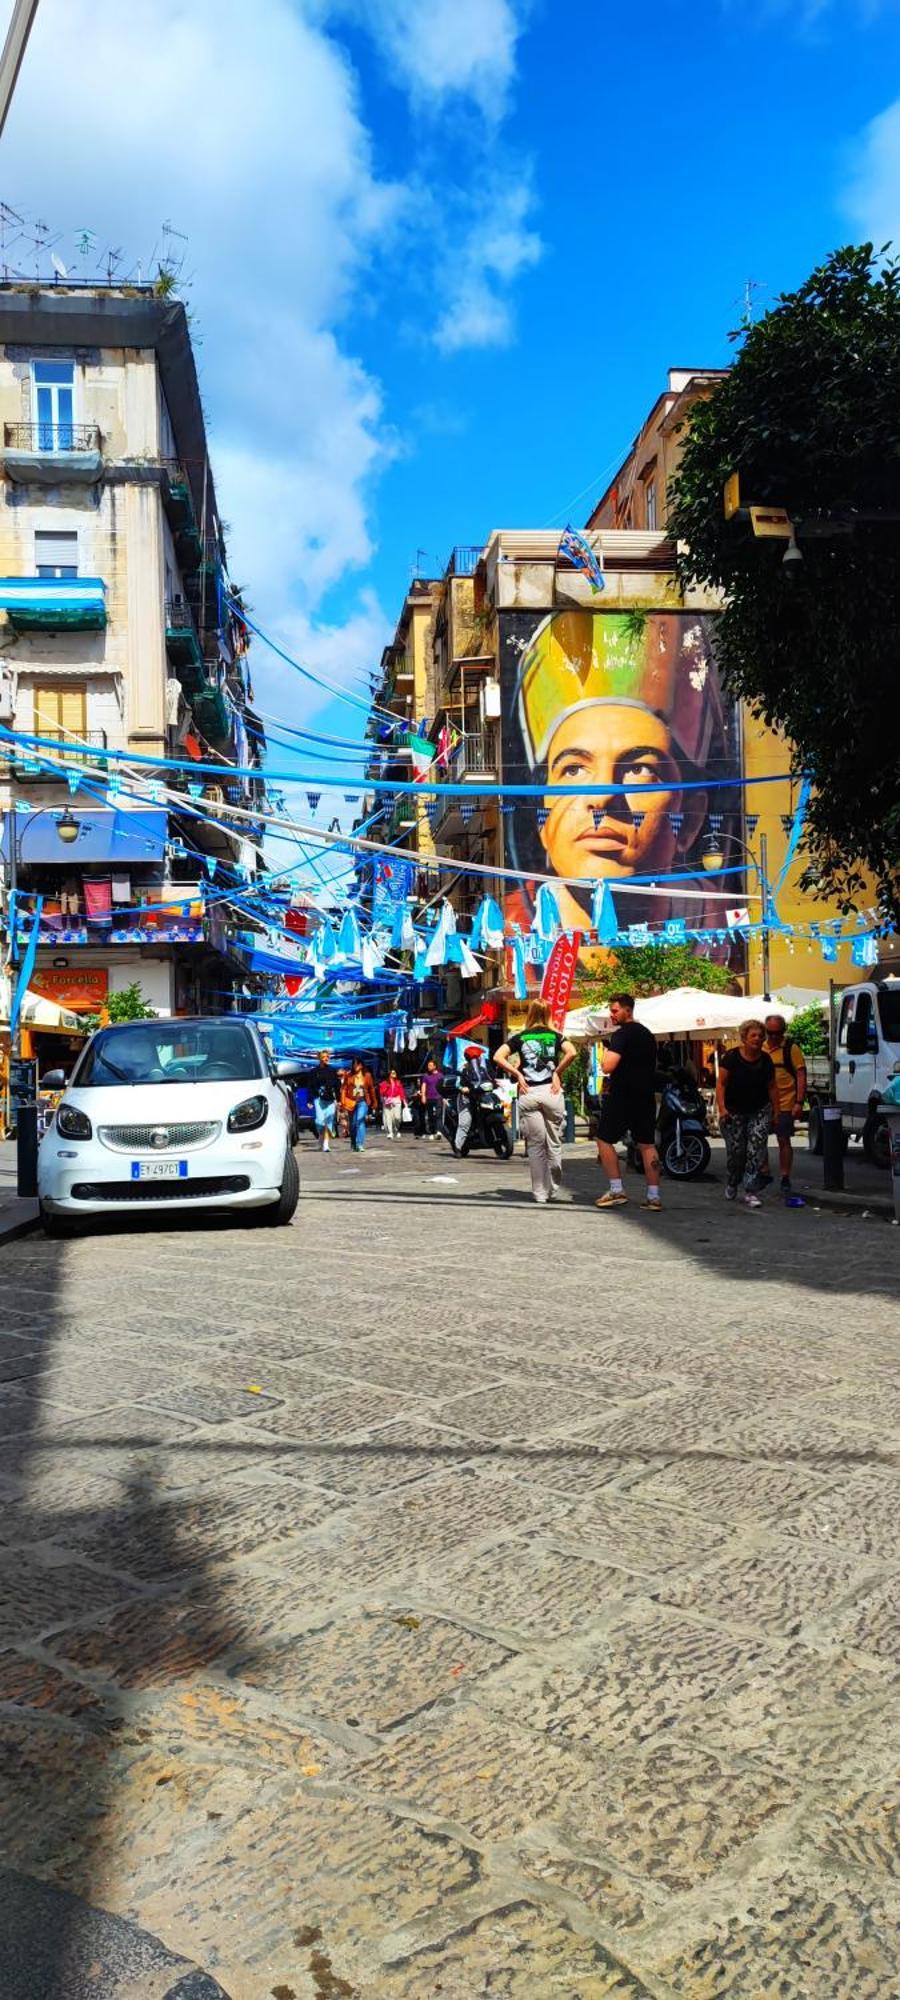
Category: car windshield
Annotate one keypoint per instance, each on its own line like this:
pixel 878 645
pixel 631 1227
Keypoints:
pixel 169 1052
pixel 889 1013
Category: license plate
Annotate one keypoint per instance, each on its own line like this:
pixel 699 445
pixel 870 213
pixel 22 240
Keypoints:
pixel 159 1170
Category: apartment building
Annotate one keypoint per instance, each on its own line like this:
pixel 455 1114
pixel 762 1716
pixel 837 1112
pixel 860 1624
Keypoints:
pixel 116 635
pixel 637 495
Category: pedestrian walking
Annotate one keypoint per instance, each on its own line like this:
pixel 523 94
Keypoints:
pixel 475 1073
pixel 358 1097
pixel 325 1089
pixel 393 1099
pixel 747 1097
pixel 430 1099
pixel 541 1057
pixel 628 1103
pixel 790 1083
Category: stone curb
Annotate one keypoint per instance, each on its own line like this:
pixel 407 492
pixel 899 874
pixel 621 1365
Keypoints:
pixel 835 1198
pixel 18 1217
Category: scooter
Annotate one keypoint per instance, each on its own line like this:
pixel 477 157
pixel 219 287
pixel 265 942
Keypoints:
pixel 488 1129
pixel 681 1128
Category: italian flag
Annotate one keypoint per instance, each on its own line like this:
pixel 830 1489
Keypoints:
pixel 422 753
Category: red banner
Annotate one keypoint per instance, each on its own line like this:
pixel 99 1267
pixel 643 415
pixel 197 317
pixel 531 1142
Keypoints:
pixel 559 977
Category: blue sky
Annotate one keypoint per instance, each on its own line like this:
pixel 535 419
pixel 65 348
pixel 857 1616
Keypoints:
pixel 441 252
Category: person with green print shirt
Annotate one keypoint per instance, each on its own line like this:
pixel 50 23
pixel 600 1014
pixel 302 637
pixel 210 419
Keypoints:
pixel 536 1060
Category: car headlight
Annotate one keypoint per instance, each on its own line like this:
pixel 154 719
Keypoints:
pixel 72 1123
pixel 247 1116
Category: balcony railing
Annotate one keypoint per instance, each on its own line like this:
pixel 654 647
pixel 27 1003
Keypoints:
pixel 463 560
pixel 83 758
pixel 475 756
pixel 51 437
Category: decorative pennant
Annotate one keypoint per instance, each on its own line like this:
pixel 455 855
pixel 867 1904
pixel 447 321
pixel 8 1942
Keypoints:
pixel 575 549
pixel 751 823
pixel 676 822
pixel 312 800
pixel 466 813
pixel 542 815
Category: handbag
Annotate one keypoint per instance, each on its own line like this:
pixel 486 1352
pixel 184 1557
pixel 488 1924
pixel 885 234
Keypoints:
pixel 406 1117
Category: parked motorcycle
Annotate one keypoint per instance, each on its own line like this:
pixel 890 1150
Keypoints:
pixel 488 1129
pixel 681 1127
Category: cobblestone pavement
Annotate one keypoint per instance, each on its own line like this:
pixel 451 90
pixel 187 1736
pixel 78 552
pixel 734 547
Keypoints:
pixel 447 1596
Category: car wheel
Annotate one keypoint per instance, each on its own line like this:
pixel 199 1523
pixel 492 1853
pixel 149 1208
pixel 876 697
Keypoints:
pixel 282 1210
pixel 814 1132
pixel 877 1141
pixel 56 1225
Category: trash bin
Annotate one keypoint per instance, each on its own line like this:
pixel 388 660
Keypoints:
pixel 891 1114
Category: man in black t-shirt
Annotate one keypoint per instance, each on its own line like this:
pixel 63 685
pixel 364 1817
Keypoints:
pixel 628 1103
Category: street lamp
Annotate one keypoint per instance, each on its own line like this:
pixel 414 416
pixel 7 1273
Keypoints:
pixel 68 828
pixel 713 858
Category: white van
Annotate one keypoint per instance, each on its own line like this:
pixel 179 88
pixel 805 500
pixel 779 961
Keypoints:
pixel 866 1057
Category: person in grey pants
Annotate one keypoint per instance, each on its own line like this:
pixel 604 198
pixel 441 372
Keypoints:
pixel 536 1059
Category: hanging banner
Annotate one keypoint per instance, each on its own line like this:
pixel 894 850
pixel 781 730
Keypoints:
pixel 559 976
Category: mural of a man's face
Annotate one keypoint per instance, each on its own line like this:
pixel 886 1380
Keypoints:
pixel 597 835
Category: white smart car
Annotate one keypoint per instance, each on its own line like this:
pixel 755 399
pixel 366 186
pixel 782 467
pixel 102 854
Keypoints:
pixel 170 1114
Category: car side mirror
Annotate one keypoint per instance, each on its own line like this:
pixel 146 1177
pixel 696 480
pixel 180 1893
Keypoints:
pixel 289 1071
pixel 54 1079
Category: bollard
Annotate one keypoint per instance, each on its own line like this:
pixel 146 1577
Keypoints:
pixel 26 1149
pixel 570 1121
pixel 892 1114
pixel 832 1148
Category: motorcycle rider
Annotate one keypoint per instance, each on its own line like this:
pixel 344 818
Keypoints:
pixel 475 1073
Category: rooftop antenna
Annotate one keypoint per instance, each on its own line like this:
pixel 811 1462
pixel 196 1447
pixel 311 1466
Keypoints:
pixel 113 259
pixel 747 301
pixel 85 243
pixel 39 239
pixel 9 219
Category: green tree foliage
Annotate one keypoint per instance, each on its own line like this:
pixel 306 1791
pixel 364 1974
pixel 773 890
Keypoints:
pixel 128 1005
pixel 654 968
pixel 809 1029
pixel 809 416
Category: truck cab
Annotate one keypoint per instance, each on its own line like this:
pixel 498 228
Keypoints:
pixel 866 1032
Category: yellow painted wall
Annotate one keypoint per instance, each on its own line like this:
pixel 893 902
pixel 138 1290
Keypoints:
pixel 793 961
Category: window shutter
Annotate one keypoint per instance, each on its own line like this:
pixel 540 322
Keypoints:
pixel 73 716
pixel 55 551
pixel 47 716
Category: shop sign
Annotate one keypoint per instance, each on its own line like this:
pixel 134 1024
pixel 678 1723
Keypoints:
pixel 82 988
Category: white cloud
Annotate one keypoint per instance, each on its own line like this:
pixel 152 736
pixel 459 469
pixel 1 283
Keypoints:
pixel 496 245
pixel 248 136
pixel 872 196
pixel 446 48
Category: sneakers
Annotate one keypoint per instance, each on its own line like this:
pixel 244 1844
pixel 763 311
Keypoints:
pixel 786 1184
pixel 325 1144
pixel 610 1200
pixel 731 1194
pixel 751 1201
pixel 653 1203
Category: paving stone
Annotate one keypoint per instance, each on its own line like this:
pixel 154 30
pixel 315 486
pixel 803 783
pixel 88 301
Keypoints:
pixel 675 1814
pixel 644 1538
pixel 343 1412
pixel 152 1642
pixel 609 1896
pixel 422 1523
pixel 872 1624
pixel 32 1684
pixel 777 1590
pixel 483 1774
pixel 218 1724
pixel 372 1673
pixel 858 1832
pixel 793 1938
pixel 573 1466
pixel 510 1410
pixel 320 1871
pixel 429 1368
pixel 208 1403
pixel 156 1535
pixel 816 1717
pixel 516 1952
pixel 19 1359
pixel 528 1591
pixel 380 1460
pixel 50 1590
pixel 861 1512
pixel 653 1671
pixel 724 1488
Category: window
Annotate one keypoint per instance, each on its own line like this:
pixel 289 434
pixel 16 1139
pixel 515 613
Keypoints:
pixel 650 503
pixel 865 1022
pixel 55 554
pixel 846 1018
pixel 54 404
pixel 61 712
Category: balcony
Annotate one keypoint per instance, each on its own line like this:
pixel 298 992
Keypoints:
pixel 54 603
pixel 183 643
pixel 178 502
pixel 463 560
pixel 212 714
pixel 88 757
pixel 52 454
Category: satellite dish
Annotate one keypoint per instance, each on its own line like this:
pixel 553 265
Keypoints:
pixel 59 267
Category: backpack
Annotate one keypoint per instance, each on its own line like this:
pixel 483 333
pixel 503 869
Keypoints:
pixel 788 1060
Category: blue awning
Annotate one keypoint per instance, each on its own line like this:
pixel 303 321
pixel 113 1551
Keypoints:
pixel 103 835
